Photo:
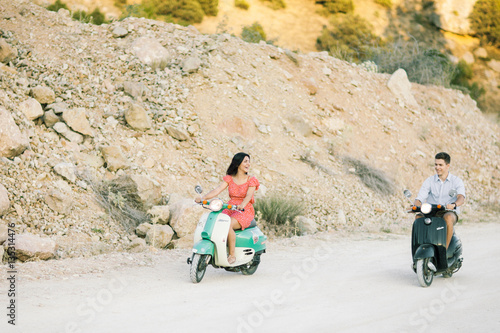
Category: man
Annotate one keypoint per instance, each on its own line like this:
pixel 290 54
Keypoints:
pixel 436 190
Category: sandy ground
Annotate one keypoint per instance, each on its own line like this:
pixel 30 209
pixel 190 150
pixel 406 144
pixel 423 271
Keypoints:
pixel 325 283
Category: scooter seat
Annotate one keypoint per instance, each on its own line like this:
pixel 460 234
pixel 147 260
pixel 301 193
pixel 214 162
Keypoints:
pixel 252 224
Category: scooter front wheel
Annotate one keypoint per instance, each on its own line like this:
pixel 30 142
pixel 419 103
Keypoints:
pixel 424 273
pixel 198 267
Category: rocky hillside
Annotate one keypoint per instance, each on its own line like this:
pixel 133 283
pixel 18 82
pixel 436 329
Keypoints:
pixel 158 108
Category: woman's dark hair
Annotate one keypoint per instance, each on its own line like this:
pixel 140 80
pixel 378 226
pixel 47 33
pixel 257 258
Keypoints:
pixel 443 156
pixel 235 163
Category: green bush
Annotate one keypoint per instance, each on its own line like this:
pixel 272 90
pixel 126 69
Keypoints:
pixel 350 39
pixel 96 17
pixel 184 12
pixel 243 4
pixel 57 5
pixel 210 7
pixel 338 6
pixel 485 20
pixel 277 214
pixel 276 4
pixel 254 33
pixel 384 3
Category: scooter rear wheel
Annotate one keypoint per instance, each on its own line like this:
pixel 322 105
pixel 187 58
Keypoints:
pixel 424 273
pixel 198 267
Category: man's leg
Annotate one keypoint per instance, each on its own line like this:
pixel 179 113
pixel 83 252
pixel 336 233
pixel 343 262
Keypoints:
pixel 450 219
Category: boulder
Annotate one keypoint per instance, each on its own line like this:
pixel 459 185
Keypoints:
pixel 191 65
pixel 468 57
pixel 50 118
pixel 185 242
pixel 66 132
pixel 142 229
pixel 4 200
pixel 30 247
pixel 494 65
pixel 67 171
pixel 12 141
pixel 7 52
pixel 77 120
pixel 114 158
pixel 177 133
pixel 137 117
pixel 31 109
pixel 184 216
pixel 159 236
pixel 481 52
pixel 400 86
pixel 44 95
pixel 149 51
pixel 119 32
pixel 160 214
pixel 89 160
pixel 58 201
pixel 134 89
pixel 148 190
pixel 453 15
pixel 306 226
pixel 137 245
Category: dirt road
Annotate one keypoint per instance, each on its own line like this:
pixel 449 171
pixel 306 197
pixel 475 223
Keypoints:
pixel 324 283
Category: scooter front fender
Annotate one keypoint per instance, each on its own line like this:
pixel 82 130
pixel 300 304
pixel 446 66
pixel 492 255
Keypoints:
pixel 425 251
pixel 204 246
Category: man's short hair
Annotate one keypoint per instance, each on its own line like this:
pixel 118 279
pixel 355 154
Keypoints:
pixel 443 156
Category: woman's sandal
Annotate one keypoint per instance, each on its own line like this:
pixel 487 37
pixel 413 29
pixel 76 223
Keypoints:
pixel 231 260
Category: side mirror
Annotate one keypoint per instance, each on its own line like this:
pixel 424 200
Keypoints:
pixel 452 193
pixel 407 193
pixel 198 189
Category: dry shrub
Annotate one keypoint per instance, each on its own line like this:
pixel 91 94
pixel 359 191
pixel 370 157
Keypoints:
pixel 373 178
pixel 277 214
pixel 120 199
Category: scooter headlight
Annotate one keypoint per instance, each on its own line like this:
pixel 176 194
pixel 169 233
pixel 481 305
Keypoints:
pixel 426 208
pixel 215 205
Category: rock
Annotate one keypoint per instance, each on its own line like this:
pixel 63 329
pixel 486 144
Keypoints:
pixel 184 216
pixel 468 57
pixel 89 160
pixel 149 51
pixel 4 234
pixel 4 200
pixel 481 53
pixel 137 245
pixel 29 247
pixel 58 108
pixel 31 109
pixel 177 133
pixel 59 202
pixel 43 95
pixel 148 190
pixel 494 65
pixel 160 214
pixel 77 120
pixel 185 242
pixel 306 226
pixel 159 236
pixel 142 229
pixel 311 85
pixel 2 252
pixel 114 158
pixel 7 52
pixel 191 65
pixel 12 141
pixel 301 125
pixel 67 171
pixel 50 118
pixel 453 15
pixel 400 86
pixel 66 132
pixel 119 32
pixel 133 89
pixel 137 117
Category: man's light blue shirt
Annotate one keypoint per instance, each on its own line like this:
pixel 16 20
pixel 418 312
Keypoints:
pixel 436 192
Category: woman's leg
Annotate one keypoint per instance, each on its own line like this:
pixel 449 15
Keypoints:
pixel 231 238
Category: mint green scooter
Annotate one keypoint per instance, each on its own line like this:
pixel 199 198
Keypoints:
pixel 210 243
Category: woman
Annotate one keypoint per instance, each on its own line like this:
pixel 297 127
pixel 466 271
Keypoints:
pixel 241 189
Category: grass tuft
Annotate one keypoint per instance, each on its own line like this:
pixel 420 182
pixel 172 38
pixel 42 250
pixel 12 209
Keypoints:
pixel 373 178
pixel 278 214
